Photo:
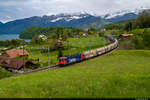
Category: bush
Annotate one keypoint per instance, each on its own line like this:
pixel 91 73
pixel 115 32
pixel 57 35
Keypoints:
pixel 31 32
pixel 146 37
pixel 12 43
pixel 139 44
pixel 35 66
pixel 136 31
pixel 127 44
pixel 141 39
pixel 101 34
pixel 141 22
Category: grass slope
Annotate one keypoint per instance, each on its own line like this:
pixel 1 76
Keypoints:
pixel 4 73
pixel 119 74
pixel 76 45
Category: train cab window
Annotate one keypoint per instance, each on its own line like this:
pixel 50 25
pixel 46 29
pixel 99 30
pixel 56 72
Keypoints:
pixel 62 60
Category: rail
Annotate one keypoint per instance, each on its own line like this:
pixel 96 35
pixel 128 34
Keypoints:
pixel 109 38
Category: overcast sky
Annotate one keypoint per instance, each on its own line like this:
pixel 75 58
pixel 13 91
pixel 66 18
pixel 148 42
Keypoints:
pixel 16 9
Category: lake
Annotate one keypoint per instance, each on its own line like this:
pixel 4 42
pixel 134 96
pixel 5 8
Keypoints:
pixel 10 36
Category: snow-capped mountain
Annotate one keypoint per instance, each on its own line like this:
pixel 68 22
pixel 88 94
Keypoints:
pixel 126 14
pixel 111 17
pixel 81 20
pixel 69 17
pixel 123 15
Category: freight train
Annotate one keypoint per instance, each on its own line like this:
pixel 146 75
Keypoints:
pixel 89 54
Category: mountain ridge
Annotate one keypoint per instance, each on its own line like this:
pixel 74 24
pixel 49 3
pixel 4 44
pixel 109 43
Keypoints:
pixel 79 20
pixel 1 23
pixel 82 21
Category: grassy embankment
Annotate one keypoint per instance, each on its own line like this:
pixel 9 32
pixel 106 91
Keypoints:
pixel 4 74
pixel 76 45
pixel 119 74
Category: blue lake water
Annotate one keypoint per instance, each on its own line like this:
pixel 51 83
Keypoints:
pixel 10 36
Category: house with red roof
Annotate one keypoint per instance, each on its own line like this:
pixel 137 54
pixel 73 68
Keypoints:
pixel 16 52
pixel 15 64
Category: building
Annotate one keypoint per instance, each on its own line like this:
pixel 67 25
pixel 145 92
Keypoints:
pixel 3 48
pixel 85 34
pixel 43 37
pixel 16 52
pixel 126 35
pixel 14 64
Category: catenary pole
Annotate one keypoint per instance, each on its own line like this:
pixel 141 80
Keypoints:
pixel 48 56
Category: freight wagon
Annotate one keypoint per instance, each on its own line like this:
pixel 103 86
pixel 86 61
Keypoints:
pixel 89 54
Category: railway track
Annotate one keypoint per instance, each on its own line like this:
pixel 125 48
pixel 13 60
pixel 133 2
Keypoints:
pixel 57 66
pixel 38 70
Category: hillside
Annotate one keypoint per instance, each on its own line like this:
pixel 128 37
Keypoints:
pixel 119 74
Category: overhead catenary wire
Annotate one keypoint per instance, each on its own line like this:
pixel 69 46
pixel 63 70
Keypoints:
pixel 40 48
pixel 57 66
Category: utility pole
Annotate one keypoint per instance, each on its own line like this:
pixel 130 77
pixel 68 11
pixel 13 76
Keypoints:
pixel 80 47
pixel 23 57
pixel 48 56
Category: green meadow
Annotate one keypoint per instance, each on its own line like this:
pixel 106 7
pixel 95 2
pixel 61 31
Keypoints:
pixel 4 73
pixel 121 74
pixel 74 46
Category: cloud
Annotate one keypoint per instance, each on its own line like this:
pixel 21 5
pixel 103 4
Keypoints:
pixel 27 8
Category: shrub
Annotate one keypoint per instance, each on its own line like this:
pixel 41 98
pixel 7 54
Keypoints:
pixel 101 34
pixel 146 37
pixel 139 44
pixel 127 44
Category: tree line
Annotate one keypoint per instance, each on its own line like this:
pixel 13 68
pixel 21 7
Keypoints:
pixel 143 21
pixel 12 43
pixel 140 27
pixel 30 32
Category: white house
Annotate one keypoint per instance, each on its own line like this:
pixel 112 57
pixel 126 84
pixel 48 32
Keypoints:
pixel 43 37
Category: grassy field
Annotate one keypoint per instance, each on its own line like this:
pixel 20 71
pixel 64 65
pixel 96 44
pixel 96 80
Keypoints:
pixel 4 74
pixel 76 45
pixel 121 74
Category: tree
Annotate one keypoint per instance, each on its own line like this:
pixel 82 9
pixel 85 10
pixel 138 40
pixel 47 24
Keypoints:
pixel 101 33
pixel 36 40
pixel 146 37
pixel 142 21
pixel 138 41
pixel 114 26
pixel 59 45
pixel 92 31
pixel 128 26
pixel 30 32
pixel 12 43
pixel 52 36
pixel 64 36
pixel 142 41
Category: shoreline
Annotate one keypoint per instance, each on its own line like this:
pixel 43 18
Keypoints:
pixel 4 37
